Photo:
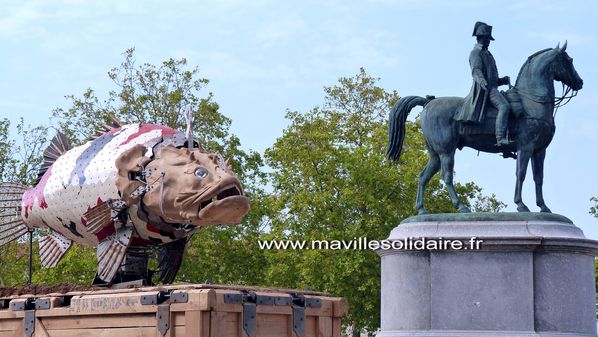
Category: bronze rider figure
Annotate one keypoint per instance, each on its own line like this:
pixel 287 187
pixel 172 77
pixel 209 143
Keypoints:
pixel 486 80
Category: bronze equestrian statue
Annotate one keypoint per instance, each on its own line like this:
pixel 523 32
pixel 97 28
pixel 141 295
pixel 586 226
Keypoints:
pixel 530 126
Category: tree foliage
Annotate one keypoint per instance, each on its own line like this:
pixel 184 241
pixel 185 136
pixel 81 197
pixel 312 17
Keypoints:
pixel 594 209
pixel 331 181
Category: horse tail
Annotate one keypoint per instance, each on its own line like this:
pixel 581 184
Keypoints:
pixel 397 122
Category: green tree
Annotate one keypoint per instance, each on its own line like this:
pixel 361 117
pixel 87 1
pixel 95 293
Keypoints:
pixel 331 181
pixel 27 153
pixel 594 209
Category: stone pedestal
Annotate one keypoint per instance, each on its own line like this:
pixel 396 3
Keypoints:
pixel 533 275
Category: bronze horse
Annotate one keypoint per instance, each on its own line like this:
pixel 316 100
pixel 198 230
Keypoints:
pixel 531 131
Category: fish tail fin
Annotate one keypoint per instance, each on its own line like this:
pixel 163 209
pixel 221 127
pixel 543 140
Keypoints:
pixel 11 223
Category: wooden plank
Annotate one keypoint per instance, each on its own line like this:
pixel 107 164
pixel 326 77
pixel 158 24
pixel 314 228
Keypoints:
pixel 324 326
pixel 115 332
pixel 340 307
pixel 272 325
pixel 100 321
pixel 205 328
pixel 199 299
pixel 19 332
pixel 111 304
pixel 240 330
pixel 7 314
pixel 290 332
pixel 10 324
pixel 40 329
pixel 337 330
pixel 310 327
pixel 173 287
pixel 178 319
pixel 193 324
pixel 225 324
pixel 6 333
pixel 325 310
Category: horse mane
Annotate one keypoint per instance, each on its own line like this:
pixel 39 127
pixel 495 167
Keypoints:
pixel 529 61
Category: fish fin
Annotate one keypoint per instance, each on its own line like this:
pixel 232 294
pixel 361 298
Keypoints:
pixel 170 262
pixel 52 248
pixel 11 223
pixel 111 253
pixel 104 215
pixel 115 124
pixel 59 145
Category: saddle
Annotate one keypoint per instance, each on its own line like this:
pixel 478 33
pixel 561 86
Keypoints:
pixel 488 123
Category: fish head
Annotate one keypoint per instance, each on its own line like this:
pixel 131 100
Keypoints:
pixel 193 187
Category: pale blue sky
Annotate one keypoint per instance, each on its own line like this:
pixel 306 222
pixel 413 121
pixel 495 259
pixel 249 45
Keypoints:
pixel 263 57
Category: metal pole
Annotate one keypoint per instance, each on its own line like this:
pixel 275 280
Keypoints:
pixel 30 255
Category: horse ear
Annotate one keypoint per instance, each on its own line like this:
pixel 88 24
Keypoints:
pixel 558 46
pixel 564 46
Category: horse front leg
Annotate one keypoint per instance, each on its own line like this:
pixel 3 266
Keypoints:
pixel 523 157
pixel 426 174
pixel 538 170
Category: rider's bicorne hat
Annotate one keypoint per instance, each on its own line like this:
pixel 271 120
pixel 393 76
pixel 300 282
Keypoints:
pixel 482 29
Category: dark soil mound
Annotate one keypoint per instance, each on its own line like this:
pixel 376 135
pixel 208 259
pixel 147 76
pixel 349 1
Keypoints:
pixel 38 289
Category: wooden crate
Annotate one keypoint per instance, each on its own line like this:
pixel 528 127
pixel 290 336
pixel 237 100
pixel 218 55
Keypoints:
pixel 174 311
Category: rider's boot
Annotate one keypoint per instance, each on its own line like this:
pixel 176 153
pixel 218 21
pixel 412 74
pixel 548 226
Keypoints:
pixel 501 130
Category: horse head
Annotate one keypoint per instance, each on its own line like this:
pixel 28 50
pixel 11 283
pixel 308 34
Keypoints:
pixel 563 69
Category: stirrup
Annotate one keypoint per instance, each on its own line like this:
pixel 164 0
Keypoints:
pixel 502 141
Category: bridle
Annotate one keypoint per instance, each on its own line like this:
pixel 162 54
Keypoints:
pixel 567 95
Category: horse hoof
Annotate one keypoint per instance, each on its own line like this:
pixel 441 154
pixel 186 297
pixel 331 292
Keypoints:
pixel 422 211
pixel 464 209
pixel 545 209
pixel 522 208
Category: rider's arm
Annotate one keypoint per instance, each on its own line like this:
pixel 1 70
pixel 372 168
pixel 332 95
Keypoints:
pixel 504 80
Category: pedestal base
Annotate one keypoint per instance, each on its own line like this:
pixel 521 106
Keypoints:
pixel 533 275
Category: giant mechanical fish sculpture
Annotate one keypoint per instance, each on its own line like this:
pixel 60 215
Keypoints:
pixel 133 189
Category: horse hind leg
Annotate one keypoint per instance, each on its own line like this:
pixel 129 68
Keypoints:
pixel 431 168
pixel 538 170
pixel 447 164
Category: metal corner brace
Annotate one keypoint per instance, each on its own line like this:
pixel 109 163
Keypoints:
pixel 163 299
pixel 250 301
pixel 29 306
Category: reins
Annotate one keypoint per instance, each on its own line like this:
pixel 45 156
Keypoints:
pixel 568 94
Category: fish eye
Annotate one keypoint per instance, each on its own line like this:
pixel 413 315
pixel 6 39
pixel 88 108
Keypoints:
pixel 201 173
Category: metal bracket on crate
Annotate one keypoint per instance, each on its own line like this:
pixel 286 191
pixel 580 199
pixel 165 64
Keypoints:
pixel 249 318
pixel 250 300
pixel 29 306
pixel 163 318
pixel 299 304
pixel 163 310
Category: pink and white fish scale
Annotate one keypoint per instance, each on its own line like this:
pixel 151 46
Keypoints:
pixel 62 200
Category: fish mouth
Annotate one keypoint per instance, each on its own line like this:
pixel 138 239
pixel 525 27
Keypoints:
pixel 226 192
pixel 226 205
